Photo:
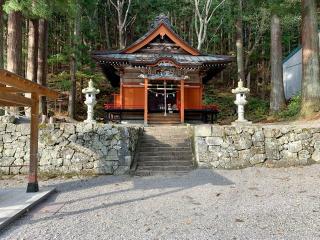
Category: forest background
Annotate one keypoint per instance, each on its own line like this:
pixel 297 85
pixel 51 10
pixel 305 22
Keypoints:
pixel 50 42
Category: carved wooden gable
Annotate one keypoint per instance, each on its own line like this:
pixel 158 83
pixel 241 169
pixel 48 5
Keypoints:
pixel 161 39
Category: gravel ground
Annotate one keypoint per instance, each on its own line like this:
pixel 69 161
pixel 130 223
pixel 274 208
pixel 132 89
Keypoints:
pixel 254 203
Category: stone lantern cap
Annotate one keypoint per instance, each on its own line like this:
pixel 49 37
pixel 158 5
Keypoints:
pixel 90 89
pixel 240 88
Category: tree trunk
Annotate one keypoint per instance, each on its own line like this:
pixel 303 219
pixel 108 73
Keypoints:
pixel 14 48
pixel 14 43
pixel 106 28
pixel 239 44
pixel 73 66
pixel 121 40
pixel 42 61
pixel 310 59
pixel 1 36
pixel 121 28
pixel 33 36
pixel 277 99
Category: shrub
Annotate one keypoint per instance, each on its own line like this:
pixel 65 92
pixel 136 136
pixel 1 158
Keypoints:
pixel 292 110
pixel 257 109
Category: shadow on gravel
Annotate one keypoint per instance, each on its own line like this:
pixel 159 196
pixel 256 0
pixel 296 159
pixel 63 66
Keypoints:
pixel 169 184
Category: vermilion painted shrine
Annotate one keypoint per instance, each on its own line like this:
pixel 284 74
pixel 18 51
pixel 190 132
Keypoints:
pixel 160 77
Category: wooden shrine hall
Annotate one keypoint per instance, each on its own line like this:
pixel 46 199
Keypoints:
pixel 160 77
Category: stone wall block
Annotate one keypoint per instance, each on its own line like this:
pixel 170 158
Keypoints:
pixel 305 134
pixel 202 130
pixel 304 156
pixel 272 149
pixel 243 142
pixel 317 144
pixel 258 158
pixel 217 131
pixel 272 132
pixel 258 136
pixel 316 156
pixel 295 147
pixel 10 128
pixel 215 141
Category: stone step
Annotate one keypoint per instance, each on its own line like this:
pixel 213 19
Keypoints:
pixel 166 168
pixel 165 140
pixel 166 154
pixel 164 144
pixel 164 149
pixel 162 117
pixel 165 128
pixel 165 163
pixel 162 173
pixel 164 131
pixel 188 157
pixel 166 136
pixel 159 122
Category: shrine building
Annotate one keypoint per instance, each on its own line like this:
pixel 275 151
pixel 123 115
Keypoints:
pixel 160 78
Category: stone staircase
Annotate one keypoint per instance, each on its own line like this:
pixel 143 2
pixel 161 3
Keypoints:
pixel 158 118
pixel 164 150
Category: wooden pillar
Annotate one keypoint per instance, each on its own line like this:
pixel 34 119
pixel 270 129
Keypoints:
pixel 145 101
pixel 182 101
pixel 121 94
pixel 33 165
pixel 121 87
pixel 201 95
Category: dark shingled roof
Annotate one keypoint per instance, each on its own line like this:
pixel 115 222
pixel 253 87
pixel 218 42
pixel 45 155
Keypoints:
pixel 183 60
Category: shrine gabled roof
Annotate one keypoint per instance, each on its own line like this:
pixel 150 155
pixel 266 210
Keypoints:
pixel 142 54
pixel 161 26
pixel 153 58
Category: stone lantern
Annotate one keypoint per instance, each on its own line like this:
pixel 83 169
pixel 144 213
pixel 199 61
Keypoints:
pixel 90 93
pixel 241 101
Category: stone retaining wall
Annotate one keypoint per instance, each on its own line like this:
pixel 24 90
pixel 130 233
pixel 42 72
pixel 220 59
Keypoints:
pixel 70 148
pixel 230 147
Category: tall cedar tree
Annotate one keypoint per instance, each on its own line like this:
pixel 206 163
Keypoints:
pixel 310 60
pixel 277 99
pixel 33 45
pixel 73 62
pixel 14 42
pixel 239 44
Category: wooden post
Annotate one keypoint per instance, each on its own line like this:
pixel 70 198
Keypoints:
pixel 182 101
pixel 145 101
pixel 121 94
pixel 33 165
pixel 201 95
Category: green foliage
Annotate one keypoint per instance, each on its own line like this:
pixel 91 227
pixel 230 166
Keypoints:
pixel 58 58
pixel 62 81
pixel 29 8
pixel 293 109
pixel 257 109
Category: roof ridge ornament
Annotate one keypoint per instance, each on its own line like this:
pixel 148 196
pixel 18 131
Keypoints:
pixel 162 18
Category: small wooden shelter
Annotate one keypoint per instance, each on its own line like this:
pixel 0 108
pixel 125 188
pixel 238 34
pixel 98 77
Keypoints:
pixel 160 75
pixel 11 88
